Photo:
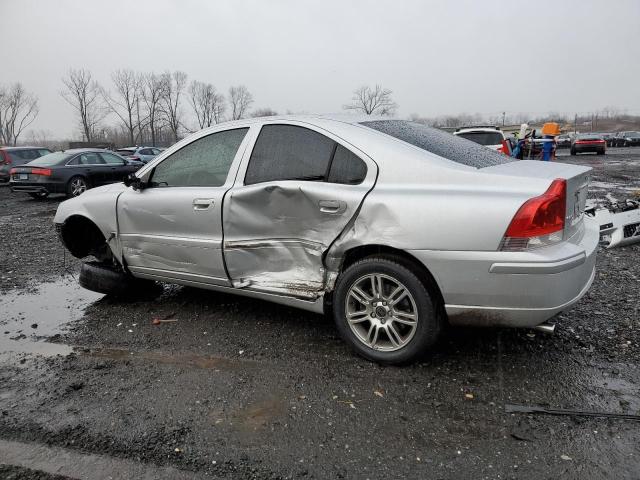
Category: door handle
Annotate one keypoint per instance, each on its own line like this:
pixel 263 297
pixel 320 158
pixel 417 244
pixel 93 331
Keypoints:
pixel 202 203
pixel 332 206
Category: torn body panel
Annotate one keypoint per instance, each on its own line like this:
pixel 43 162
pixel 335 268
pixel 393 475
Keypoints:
pixel 98 207
pixel 277 233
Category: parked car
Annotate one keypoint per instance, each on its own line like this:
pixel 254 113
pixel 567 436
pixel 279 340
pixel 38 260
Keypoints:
pixel 627 139
pixel 394 227
pixel 488 136
pixel 588 143
pixel 563 141
pixel 142 154
pixel 71 172
pixel 14 156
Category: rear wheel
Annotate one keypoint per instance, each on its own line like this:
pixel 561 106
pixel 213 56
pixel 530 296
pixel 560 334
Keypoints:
pixel 384 311
pixel 39 195
pixel 77 186
pixel 108 279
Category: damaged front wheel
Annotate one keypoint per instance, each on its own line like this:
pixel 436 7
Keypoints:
pixel 385 312
pixel 106 278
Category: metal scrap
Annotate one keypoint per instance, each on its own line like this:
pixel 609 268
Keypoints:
pixel 619 221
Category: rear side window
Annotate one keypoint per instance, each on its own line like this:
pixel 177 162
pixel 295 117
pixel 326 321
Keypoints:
pixel 346 167
pixel 202 163
pixel 111 159
pixel 90 158
pixel 288 152
pixel 440 143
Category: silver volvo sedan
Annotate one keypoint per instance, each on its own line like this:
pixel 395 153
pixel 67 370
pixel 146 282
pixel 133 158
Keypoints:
pixel 394 227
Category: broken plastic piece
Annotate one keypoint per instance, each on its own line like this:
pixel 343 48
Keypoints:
pixel 619 222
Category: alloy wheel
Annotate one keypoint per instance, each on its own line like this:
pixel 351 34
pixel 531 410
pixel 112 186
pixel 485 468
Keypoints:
pixel 381 312
pixel 78 186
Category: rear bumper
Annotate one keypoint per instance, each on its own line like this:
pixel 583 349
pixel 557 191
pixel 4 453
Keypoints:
pixel 36 187
pixel 514 289
pixel 589 148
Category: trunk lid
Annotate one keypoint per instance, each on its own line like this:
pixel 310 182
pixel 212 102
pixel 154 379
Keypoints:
pixel 576 176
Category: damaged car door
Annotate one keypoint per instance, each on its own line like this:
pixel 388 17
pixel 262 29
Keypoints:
pixel 171 228
pixel 300 190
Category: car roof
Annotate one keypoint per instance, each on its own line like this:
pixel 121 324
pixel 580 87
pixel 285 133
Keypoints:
pixel 23 148
pixel 75 151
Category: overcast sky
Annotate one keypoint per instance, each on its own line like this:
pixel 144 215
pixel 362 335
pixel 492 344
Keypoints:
pixel 438 57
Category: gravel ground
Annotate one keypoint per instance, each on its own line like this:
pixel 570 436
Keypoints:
pixel 240 388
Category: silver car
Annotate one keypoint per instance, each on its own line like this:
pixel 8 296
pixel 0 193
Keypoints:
pixel 142 154
pixel 394 227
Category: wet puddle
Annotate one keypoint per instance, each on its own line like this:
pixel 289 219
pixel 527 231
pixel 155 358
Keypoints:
pixel 29 318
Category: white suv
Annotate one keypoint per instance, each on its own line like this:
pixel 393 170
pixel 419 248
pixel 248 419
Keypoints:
pixel 488 136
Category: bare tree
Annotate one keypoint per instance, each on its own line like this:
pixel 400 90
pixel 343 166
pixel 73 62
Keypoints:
pixel 371 101
pixel 264 112
pixel 207 104
pixel 125 101
pixel 153 87
pixel 240 100
pixel 85 95
pixel 18 109
pixel 174 85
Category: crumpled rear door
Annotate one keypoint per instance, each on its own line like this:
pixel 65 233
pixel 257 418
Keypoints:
pixel 275 233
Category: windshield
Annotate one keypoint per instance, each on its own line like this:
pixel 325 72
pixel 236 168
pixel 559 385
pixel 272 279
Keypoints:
pixel 483 138
pixel 50 159
pixel 440 143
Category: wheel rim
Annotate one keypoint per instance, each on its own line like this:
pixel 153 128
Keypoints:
pixel 381 312
pixel 78 186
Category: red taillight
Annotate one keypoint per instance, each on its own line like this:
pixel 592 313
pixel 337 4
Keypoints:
pixel 41 171
pixel 132 157
pixel 12 171
pixel 541 215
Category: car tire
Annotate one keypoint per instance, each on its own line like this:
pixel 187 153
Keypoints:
pixel 39 195
pixel 76 186
pixel 573 152
pixel 398 339
pixel 108 279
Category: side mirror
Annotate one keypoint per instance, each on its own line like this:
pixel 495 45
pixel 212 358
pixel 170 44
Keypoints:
pixel 134 182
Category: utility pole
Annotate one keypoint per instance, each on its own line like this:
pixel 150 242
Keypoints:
pixel 503 114
pixel 575 124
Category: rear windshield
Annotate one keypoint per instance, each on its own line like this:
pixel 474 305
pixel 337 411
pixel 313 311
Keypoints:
pixel 51 159
pixel 483 138
pixel 441 143
pixel 589 137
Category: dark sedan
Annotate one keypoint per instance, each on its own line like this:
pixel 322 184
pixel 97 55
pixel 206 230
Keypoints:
pixel 70 172
pixel 588 143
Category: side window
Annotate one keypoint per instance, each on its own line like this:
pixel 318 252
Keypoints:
pixel 43 152
pixel 288 152
pixel 156 151
pixel 202 163
pixel 91 158
pixel 111 159
pixel 146 151
pixel 75 161
pixel 347 168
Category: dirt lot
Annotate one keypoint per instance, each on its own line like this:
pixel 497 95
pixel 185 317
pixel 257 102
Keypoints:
pixel 239 388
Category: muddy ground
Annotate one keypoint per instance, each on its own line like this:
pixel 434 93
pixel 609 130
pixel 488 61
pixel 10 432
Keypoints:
pixel 240 388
